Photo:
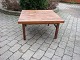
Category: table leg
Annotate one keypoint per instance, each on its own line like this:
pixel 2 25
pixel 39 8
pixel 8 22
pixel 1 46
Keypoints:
pixel 25 24
pixel 23 27
pixel 56 31
pixel 48 24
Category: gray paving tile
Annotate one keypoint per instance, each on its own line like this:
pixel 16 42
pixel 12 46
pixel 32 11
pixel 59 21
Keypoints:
pixel 31 41
pixel 4 49
pixel 49 53
pixel 21 59
pixel 68 51
pixel 35 47
pixel 65 39
pixel 45 58
pixel 38 54
pixel 59 52
pixel 77 38
pixel 62 45
pixel 40 41
pixel 15 47
pixel 70 44
pixel 66 57
pixel 22 42
pixel 77 50
pixel 54 45
pixel 4 43
pixel 15 56
pixel 12 37
pixel 28 55
pixel 19 37
pixel 11 33
pixel 57 40
pixel 33 59
pixel 44 46
pixel 24 48
pixel 6 55
pixel 77 43
pixel 76 57
pixel 72 39
pixel 37 36
pixel 3 38
pixel 44 36
pixel 56 57
pixel 49 40
pixel 12 43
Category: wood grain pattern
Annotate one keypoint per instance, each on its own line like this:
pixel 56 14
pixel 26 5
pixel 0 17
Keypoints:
pixel 39 17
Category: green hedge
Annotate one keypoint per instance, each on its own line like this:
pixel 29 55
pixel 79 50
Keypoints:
pixel 34 4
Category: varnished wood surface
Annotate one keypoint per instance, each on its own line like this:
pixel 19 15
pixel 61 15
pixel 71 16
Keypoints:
pixel 39 17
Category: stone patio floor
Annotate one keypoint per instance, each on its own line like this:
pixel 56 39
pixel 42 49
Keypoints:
pixel 40 44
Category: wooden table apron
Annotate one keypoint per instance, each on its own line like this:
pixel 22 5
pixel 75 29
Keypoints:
pixel 56 31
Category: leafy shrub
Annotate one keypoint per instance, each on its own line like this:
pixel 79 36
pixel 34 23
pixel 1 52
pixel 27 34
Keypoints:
pixel 34 4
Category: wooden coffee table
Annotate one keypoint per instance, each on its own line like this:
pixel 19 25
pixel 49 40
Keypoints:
pixel 39 17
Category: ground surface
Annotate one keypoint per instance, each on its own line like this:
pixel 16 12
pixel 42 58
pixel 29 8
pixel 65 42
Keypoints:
pixel 40 44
